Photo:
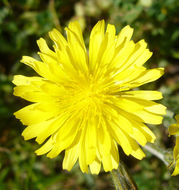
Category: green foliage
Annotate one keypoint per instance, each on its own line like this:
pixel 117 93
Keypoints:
pixel 22 22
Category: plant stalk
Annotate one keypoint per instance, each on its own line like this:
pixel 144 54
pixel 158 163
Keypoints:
pixel 164 155
pixel 122 179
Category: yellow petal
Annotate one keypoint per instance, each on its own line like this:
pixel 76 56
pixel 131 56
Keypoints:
pixel 147 105
pixel 65 136
pixel 149 135
pixel 114 155
pixel 143 58
pixel 104 139
pixel 96 38
pixel 121 138
pixel 28 115
pixel 82 153
pixel 176 157
pixel 45 147
pixel 20 80
pixel 139 136
pixel 91 142
pixel 31 93
pixel 53 126
pixel 119 118
pixel 77 51
pixel 71 156
pixel 176 149
pixel 123 54
pixel 58 38
pixel 95 167
pixel 111 30
pixel 107 49
pixel 40 67
pixel 44 47
pixel 75 27
pixel 104 146
pixel 148 117
pixel 138 153
pixel 135 53
pixel 107 162
pixel 176 171
pixel 52 89
pixel 125 34
pixel 143 94
pixel 34 130
pixel 148 76
pixel 127 104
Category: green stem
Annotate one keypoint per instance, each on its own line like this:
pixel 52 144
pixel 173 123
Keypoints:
pixel 121 178
pixel 164 155
pixel 156 153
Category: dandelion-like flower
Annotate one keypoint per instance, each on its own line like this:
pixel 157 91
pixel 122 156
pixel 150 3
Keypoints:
pixel 174 130
pixel 83 102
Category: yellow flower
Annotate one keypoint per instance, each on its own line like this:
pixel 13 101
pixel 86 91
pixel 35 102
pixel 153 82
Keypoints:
pixel 83 102
pixel 174 130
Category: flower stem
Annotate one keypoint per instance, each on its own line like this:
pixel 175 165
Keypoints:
pixel 164 155
pixel 156 153
pixel 121 178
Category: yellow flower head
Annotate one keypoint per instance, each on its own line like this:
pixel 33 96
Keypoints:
pixel 174 130
pixel 83 101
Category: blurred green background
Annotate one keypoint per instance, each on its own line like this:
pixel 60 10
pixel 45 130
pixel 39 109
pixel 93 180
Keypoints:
pixel 22 22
